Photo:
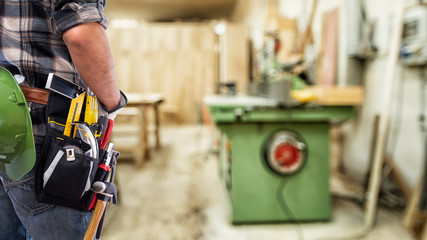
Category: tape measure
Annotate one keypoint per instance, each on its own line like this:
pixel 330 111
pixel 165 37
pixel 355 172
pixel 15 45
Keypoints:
pixel 74 113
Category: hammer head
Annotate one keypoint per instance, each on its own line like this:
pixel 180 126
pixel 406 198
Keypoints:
pixel 105 188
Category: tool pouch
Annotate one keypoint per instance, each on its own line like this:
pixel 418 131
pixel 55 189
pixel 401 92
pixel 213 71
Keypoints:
pixel 64 172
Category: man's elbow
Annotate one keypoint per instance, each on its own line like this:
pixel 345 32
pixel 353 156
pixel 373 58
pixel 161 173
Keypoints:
pixel 83 35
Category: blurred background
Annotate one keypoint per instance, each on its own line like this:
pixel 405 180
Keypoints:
pixel 357 65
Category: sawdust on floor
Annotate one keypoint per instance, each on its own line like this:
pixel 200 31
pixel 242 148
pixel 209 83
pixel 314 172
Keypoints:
pixel 166 198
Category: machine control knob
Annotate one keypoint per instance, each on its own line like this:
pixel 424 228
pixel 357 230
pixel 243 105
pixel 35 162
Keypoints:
pixel 286 155
pixel 285 152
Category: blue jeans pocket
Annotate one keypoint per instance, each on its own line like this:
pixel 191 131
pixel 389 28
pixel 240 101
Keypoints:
pixel 22 194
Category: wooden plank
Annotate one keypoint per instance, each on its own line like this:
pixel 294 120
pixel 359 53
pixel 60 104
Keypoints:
pixel 307 35
pixel 411 216
pixel 327 70
pixel 398 178
pixel 334 95
pixel 391 65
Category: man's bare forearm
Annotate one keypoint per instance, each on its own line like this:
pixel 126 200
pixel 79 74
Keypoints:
pixel 91 54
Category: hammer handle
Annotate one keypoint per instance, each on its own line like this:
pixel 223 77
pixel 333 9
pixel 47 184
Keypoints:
pixel 96 217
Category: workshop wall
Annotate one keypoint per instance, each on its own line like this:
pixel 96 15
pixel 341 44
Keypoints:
pixel 182 60
pixel 174 59
pixel 405 144
pixel 409 147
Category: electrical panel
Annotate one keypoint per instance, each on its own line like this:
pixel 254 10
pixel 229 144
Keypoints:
pixel 414 37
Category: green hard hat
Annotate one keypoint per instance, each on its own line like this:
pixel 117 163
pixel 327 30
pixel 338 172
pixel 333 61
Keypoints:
pixel 17 150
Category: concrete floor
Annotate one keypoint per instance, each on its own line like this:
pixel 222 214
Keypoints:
pixel 177 195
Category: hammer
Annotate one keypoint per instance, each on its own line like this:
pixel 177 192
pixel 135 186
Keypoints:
pixel 105 192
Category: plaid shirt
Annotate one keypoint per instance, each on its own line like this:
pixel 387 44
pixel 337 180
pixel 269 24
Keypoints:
pixel 31 42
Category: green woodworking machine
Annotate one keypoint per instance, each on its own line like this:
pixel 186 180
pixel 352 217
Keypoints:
pixel 274 160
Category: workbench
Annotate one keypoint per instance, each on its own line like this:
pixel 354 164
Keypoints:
pixel 258 193
pixel 142 102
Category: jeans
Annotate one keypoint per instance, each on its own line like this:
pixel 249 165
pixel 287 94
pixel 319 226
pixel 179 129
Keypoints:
pixel 22 217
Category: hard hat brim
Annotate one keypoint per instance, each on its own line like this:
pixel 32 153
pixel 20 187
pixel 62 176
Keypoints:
pixel 23 163
pixel 19 155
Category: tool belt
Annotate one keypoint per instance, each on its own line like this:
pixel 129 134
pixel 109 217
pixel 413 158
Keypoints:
pixel 68 165
pixel 36 95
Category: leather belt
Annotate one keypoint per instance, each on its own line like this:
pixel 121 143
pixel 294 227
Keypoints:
pixel 35 95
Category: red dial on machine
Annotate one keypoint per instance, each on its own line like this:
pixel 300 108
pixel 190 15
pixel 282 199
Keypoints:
pixel 285 152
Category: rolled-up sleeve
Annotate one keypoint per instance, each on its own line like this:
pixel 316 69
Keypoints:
pixel 68 14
